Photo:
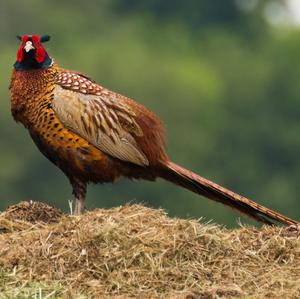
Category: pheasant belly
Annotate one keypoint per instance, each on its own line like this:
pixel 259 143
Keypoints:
pixel 76 157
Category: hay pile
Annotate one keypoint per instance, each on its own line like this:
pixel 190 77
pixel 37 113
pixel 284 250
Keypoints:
pixel 134 251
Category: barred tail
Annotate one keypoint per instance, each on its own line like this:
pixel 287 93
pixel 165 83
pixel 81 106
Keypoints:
pixel 195 183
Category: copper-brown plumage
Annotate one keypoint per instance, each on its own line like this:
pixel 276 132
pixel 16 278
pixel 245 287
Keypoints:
pixel 96 135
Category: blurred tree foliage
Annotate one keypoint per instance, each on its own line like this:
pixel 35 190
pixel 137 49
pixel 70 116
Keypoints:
pixel 224 81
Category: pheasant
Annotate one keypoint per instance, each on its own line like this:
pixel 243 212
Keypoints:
pixel 96 135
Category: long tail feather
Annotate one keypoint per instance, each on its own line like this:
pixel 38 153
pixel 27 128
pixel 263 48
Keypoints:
pixel 195 183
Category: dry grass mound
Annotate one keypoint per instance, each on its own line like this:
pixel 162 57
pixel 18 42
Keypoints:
pixel 138 252
pixel 33 212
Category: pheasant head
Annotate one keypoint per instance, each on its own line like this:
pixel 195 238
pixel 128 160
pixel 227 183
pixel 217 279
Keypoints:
pixel 31 53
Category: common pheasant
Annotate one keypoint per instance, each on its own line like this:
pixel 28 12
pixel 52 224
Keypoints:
pixel 95 135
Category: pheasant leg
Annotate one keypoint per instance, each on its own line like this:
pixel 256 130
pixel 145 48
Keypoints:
pixel 79 191
pixel 79 206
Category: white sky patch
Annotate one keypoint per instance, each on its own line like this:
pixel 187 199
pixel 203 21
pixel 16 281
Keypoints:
pixel 283 13
pixel 277 13
pixel 294 11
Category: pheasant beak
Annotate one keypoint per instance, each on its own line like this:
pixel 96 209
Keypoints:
pixel 28 46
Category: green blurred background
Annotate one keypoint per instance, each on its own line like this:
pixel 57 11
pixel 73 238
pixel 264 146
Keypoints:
pixel 223 75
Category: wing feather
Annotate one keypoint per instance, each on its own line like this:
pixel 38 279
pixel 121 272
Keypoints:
pixel 104 121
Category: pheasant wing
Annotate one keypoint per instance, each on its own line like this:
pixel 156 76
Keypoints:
pixel 99 116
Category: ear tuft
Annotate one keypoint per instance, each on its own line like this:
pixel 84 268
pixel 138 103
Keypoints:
pixel 45 38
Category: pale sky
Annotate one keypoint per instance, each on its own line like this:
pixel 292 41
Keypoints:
pixel 282 13
pixel 294 10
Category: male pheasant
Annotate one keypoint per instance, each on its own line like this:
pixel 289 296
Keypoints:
pixel 96 135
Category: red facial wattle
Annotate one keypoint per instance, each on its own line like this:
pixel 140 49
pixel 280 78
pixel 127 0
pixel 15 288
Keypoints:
pixel 20 50
pixel 39 54
pixel 24 39
pixel 39 50
pixel 20 54
pixel 35 39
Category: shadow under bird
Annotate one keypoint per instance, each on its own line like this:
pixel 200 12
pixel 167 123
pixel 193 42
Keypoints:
pixel 96 135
